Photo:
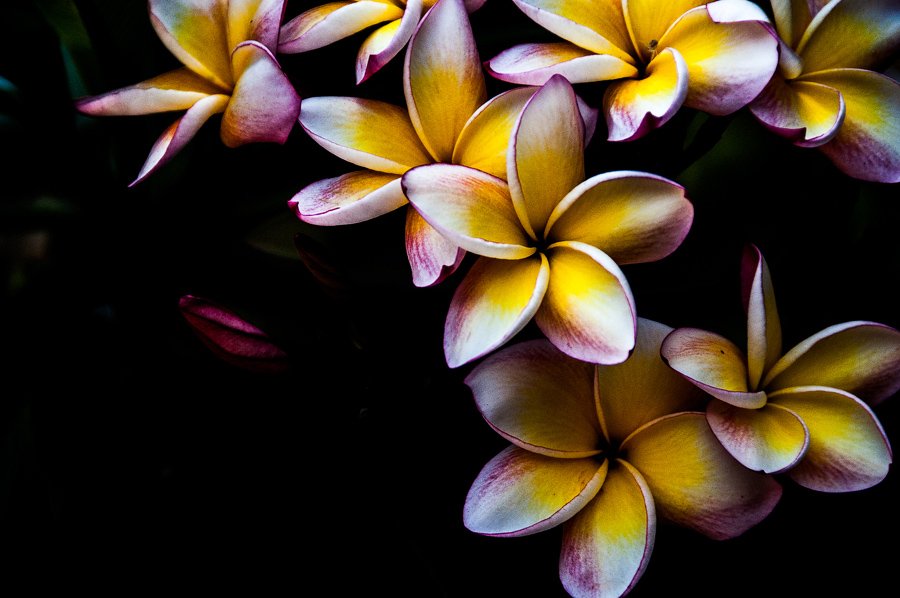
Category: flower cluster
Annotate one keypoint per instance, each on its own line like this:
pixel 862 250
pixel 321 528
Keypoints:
pixel 615 420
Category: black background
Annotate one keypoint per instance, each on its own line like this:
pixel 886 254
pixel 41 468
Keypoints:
pixel 132 457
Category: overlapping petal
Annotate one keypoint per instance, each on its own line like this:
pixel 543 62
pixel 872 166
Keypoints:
pixel 534 64
pixel 648 20
pixel 763 324
pixel 588 311
pixel 694 481
pixel 607 545
pixel 807 113
pixel 862 358
pixel 330 22
pixel 176 90
pixel 792 17
pixel 519 492
pixel 386 42
pixel 432 257
pixel 195 31
pixel 348 199
pixel 633 217
pixel 539 399
pixel 258 20
pixel 495 300
pixel 368 133
pixel 848 449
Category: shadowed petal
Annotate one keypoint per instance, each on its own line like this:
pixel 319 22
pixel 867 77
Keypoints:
pixel 348 199
pixel 176 90
pixel 195 31
pixel 695 482
pixel 386 42
pixel 643 388
pixel 848 449
pixel 588 311
pixel 763 324
pixel 633 217
pixel 791 19
pixel 637 106
pixel 264 106
pixel 442 62
pixel 862 358
pixel 729 59
pixel 469 207
pixel 539 399
pixel 713 363
pixel 331 22
pixel 432 256
pixel 258 20
pixel 495 300
pixel 179 133
pixel 520 493
pixel 607 546
pixel 807 113
pixel 534 64
pixel 770 439
pixel 368 133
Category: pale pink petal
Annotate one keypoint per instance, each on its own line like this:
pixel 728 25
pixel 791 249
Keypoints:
pixel 328 23
pixel 763 324
pixel 534 64
pixel 348 199
pixel 258 20
pixel 807 113
pixel 176 90
pixel 386 42
pixel 432 256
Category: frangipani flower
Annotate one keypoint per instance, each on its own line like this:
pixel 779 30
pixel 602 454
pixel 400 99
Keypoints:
pixel 326 24
pixel 823 96
pixel 799 412
pixel 550 240
pixel 605 449
pixel 714 57
pixel 226 47
pixel 447 120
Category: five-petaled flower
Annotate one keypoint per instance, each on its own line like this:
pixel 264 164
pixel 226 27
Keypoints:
pixel 605 449
pixel 326 24
pixel 823 96
pixel 800 412
pixel 550 240
pixel 226 47
pixel 715 57
pixel 447 121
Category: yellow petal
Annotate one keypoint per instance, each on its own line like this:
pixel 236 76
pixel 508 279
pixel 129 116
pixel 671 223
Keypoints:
pixel 348 199
pixel 648 20
pixel 534 64
pixel 331 22
pixel 850 34
pixel 176 90
pixel 791 19
pixel 770 439
pixel 805 112
pixel 254 20
pixel 763 324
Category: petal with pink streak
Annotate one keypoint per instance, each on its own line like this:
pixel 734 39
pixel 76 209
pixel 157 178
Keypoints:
pixel 176 90
pixel 432 256
pixel 386 42
pixel 763 324
pixel 328 23
pixel 534 64
pixel 257 20
pixel 348 199
pixel 807 113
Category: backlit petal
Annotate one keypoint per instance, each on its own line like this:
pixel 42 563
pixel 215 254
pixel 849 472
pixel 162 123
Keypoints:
pixel 763 324
pixel 607 546
pixel 807 113
pixel 848 449
pixel 770 439
pixel 534 64
pixel 633 217
pixel 368 133
pixel 386 42
pixel 330 22
pixel 258 20
pixel 588 311
pixel 695 482
pixel 176 90
pixel 520 493
pixel 862 358
pixel 432 256
pixel 637 106
pixel 713 363
pixel 348 199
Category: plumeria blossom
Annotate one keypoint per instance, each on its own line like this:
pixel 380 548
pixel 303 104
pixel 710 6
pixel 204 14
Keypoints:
pixel 823 95
pixel 328 23
pixel 226 47
pixel 550 241
pixel 447 120
pixel 799 412
pixel 604 450
pixel 714 57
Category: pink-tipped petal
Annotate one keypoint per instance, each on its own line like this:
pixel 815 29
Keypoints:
pixel 180 132
pixel 386 42
pixel 231 338
pixel 695 482
pixel 264 106
pixel 588 311
pixel 607 546
pixel 328 23
pixel 520 493
pixel 807 113
pixel 442 62
pixel 771 439
pixel 633 217
pixel 848 449
pixel 348 199
pixel 258 20
pixel 862 358
pixel 637 106
pixel 368 133
pixel 176 90
pixel 495 300
pixel 469 207
pixel 432 256
pixel 546 156
pixel 534 64
pixel 539 399
pixel 729 59
pixel 713 363
pixel 763 324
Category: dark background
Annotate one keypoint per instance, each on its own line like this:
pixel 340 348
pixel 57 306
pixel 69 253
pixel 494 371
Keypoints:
pixel 131 457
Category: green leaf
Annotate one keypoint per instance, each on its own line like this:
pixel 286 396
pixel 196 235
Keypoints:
pixel 75 43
